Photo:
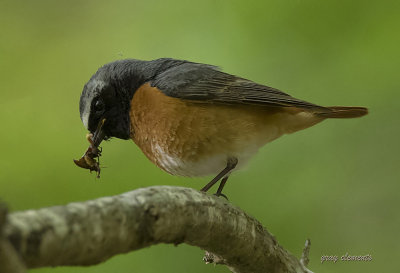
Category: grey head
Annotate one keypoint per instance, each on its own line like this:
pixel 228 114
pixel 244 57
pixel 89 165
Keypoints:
pixel 102 99
pixel 108 93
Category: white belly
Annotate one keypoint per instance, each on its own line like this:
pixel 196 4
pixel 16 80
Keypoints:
pixel 206 165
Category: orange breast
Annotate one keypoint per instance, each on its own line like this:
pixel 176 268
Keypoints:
pixel 194 139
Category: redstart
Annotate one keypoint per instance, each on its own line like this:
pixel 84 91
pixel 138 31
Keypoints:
pixel 191 119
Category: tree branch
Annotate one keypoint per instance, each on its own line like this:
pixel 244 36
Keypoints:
pixel 10 261
pixel 90 232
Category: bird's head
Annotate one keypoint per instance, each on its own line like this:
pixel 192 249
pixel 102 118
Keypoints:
pixel 105 101
pixel 100 101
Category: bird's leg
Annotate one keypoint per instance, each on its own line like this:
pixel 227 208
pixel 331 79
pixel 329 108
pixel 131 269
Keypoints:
pixel 221 186
pixel 230 165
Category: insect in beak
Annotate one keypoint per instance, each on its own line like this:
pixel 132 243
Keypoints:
pixel 88 160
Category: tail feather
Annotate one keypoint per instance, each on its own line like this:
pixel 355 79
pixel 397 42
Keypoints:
pixel 344 112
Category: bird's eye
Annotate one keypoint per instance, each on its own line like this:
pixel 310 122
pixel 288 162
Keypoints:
pixel 99 105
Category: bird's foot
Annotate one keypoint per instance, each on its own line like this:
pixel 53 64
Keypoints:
pixel 221 194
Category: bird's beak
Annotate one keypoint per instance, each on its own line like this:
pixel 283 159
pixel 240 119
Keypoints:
pixel 99 134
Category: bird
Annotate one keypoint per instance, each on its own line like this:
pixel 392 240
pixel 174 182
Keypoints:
pixel 192 119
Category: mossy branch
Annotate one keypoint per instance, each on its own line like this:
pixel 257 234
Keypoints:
pixel 90 232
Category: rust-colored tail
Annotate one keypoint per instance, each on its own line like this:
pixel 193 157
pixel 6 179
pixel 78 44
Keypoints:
pixel 344 112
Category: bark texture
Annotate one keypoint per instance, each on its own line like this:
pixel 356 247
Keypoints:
pixel 90 232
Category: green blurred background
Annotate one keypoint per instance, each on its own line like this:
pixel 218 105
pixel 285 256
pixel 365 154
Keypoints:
pixel 336 183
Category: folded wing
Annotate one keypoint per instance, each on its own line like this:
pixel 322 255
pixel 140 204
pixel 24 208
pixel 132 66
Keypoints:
pixel 205 83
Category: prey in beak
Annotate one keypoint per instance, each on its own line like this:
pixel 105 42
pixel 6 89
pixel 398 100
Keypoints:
pixel 88 160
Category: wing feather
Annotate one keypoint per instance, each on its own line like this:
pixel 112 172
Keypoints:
pixel 205 83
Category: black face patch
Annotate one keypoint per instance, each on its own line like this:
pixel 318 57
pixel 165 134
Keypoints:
pixel 105 103
pixel 109 91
